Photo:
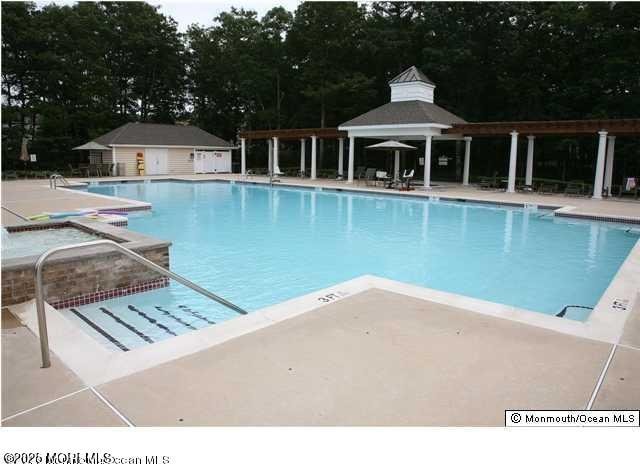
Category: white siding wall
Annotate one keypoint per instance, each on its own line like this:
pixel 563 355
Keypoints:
pixel 412 91
pixel 179 161
pixel 127 155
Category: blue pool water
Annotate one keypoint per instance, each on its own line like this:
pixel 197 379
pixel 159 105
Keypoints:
pixel 257 246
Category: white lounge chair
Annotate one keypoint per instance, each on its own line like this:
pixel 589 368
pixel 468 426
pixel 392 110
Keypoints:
pixel 406 178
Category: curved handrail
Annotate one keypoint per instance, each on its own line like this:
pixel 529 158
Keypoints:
pixel 53 181
pixel 42 319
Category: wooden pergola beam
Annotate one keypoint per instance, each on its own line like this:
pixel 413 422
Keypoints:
pixel 569 127
pixel 292 134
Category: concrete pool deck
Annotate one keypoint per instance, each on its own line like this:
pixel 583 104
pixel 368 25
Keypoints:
pixel 30 197
pixel 376 358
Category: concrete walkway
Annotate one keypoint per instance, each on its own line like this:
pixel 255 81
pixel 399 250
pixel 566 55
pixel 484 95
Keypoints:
pixel 30 197
pixel 376 358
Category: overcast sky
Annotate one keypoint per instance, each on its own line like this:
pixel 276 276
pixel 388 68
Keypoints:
pixel 202 11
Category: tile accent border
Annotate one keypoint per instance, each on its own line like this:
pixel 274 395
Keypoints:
pixel 103 295
pixel 622 220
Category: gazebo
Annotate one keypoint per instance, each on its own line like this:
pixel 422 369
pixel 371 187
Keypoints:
pixel 410 115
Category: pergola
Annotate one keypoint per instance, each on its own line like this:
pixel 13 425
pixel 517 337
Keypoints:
pixel 274 136
pixel 607 130
pixel 412 115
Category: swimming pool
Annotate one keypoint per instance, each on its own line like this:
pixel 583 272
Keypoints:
pixel 258 245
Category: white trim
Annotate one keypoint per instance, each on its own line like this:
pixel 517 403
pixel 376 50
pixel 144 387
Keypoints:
pixel 194 147
pixel 243 157
pixel 314 157
pixel 397 126
pixel 412 83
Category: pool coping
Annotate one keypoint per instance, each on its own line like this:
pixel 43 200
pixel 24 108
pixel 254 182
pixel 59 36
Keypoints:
pixel 96 364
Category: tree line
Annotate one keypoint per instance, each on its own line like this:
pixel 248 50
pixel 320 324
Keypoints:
pixel 73 72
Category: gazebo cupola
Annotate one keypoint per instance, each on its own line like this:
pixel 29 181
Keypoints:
pixel 411 84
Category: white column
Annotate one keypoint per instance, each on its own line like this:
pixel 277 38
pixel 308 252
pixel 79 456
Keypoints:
pixel 597 183
pixel 513 160
pixel 608 176
pixel 243 157
pixel 115 162
pixel 276 163
pixel 340 157
pixel 396 165
pixel 352 156
pixel 314 151
pixel 528 178
pixel 302 156
pixel 467 160
pixel 270 145
pixel 427 162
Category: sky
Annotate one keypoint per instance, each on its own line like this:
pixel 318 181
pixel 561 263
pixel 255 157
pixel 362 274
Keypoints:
pixel 203 11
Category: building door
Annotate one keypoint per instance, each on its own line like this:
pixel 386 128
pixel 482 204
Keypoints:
pixel 222 161
pixel 156 161
pixel 209 162
pixel 198 162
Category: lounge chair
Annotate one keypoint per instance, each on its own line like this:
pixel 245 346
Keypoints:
pixel 370 176
pixel 406 179
pixel 360 172
pixel 74 172
pixel 630 187
pixel 547 189
pixel 383 176
pixel 574 188
pixel 10 175
pixel 487 183
pixel 277 174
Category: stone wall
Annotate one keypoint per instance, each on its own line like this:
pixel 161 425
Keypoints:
pixel 66 279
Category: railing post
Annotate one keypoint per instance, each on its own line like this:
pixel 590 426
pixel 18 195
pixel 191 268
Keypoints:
pixel 42 317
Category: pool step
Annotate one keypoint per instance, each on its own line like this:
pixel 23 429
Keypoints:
pixel 124 325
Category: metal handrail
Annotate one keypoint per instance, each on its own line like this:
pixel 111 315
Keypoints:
pixel 42 319
pixel 53 181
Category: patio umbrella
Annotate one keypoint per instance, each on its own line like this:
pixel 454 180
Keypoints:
pixel 393 146
pixel 24 152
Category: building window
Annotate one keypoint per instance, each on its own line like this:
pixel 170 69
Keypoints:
pixel 95 157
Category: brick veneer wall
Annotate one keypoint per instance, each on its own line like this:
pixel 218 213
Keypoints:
pixel 82 276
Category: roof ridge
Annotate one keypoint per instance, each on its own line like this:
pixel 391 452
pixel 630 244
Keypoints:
pixel 411 74
pixel 124 129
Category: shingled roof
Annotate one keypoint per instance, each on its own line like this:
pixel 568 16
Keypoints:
pixel 136 133
pixel 411 74
pixel 405 112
